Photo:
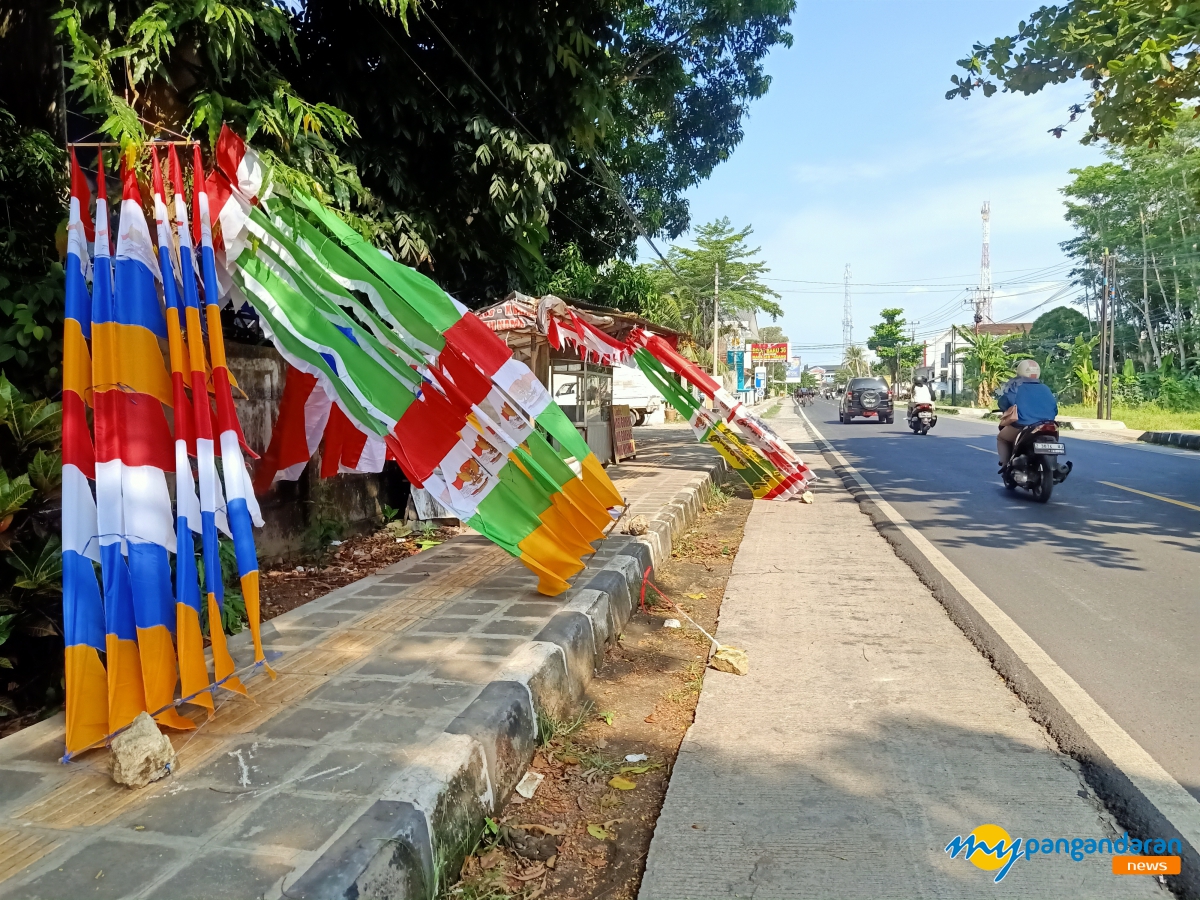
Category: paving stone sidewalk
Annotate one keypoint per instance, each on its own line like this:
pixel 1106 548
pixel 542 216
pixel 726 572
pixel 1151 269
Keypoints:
pixel 867 735
pixel 369 677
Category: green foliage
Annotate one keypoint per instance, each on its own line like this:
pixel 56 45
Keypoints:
pixel 1141 206
pixel 507 130
pixel 854 361
pixel 325 527
pixel 551 727
pixel 31 582
pixel 894 346
pixel 1138 56
pixel 986 363
pixel 14 494
pixel 33 194
pixel 1085 380
pixel 686 285
pixel 1059 324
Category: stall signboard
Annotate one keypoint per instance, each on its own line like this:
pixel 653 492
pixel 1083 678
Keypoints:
pixel 760 377
pixel 622 432
pixel 795 370
pixel 770 353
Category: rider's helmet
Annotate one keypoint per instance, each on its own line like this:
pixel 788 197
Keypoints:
pixel 920 380
pixel 1028 368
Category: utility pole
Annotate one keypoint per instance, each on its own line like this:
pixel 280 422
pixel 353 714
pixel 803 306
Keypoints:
pixel 716 312
pixel 847 316
pixel 1112 334
pixel 1104 295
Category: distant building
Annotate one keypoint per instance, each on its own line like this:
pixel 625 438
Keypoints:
pixel 826 374
pixel 944 364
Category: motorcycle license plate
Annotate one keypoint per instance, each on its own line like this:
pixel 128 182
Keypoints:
pixel 924 415
pixel 1049 449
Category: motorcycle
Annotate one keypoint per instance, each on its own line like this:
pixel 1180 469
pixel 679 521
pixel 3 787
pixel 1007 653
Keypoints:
pixel 1034 464
pixel 922 418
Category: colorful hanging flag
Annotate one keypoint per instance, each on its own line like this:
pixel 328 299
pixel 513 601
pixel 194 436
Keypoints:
pixel 83 610
pixel 241 507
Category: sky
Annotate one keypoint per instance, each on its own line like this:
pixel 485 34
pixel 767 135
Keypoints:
pixel 855 156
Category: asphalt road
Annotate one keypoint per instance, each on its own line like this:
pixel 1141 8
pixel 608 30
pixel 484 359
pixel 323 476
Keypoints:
pixel 1106 580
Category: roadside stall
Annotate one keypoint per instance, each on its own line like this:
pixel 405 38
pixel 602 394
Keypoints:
pixel 581 383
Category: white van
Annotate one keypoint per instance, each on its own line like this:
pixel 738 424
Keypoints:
pixel 633 389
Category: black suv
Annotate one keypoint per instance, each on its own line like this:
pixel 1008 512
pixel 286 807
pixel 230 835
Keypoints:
pixel 869 397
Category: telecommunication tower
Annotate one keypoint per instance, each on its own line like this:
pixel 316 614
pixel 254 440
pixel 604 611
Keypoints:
pixel 847 316
pixel 983 294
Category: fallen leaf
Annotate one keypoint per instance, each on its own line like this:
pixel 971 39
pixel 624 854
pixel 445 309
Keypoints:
pixel 579 803
pixel 621 784
pixel 607 717
pixel 529 874
pixel 697 596
pixel 598 862
pixel 598 832
pixel 639 770
pixel 491 859
pixel 569 760
pixel 551 861
pixel 649 718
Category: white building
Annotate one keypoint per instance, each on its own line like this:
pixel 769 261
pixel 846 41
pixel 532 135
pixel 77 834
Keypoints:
pixel 945 363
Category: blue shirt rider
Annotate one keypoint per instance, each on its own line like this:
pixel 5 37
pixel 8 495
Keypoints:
pixel 1034 402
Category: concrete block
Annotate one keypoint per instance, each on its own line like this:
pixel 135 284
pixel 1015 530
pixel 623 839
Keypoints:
pixel 571 632
pixel 615 584
pixel 594 604
pixel 542 667
pixel 411 840
pixel 503 721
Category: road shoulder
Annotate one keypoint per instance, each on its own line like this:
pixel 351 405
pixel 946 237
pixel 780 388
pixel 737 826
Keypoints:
pixel 868 734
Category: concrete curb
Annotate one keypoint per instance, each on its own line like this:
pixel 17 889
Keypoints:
pixel 1182 439
pixel 1127 804
pixel 411 842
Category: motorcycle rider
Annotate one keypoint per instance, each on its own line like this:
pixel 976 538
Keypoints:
pixel 1034 402
pixel 920 394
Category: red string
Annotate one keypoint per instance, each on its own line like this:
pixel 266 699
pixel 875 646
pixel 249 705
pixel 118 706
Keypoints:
pixel 646 581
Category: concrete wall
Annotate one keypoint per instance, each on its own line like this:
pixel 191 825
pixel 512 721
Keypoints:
pixel 291 509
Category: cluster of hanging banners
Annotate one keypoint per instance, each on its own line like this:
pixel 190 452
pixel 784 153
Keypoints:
pixel 767 464
pixel 383 364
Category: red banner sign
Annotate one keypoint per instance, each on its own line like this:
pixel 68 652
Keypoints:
pixel 766 353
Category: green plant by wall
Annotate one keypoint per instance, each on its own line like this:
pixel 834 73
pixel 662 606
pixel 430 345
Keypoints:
pixel 31 579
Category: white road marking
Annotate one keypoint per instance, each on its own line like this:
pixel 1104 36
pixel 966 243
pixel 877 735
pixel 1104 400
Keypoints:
pixel 1178 806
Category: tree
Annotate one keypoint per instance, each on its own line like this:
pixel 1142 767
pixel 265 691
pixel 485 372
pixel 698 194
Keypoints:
pixel 508 129
pixel 772 334
pixel 1059 324
pixel 809 380
pixel 894 348
pixel 686 284
pixel 986 363
pixel 1084 377
pixel 1138 56
pixel 855 361
pixel 33 185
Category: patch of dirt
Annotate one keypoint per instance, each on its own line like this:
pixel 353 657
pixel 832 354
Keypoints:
pixel 354 558
pixel 585 833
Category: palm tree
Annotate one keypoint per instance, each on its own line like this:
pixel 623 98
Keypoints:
pixel 855 361
pixel 985 361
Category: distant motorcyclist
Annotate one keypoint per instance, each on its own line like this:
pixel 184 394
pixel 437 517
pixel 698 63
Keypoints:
pixel 1034 403
pixel 920 394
